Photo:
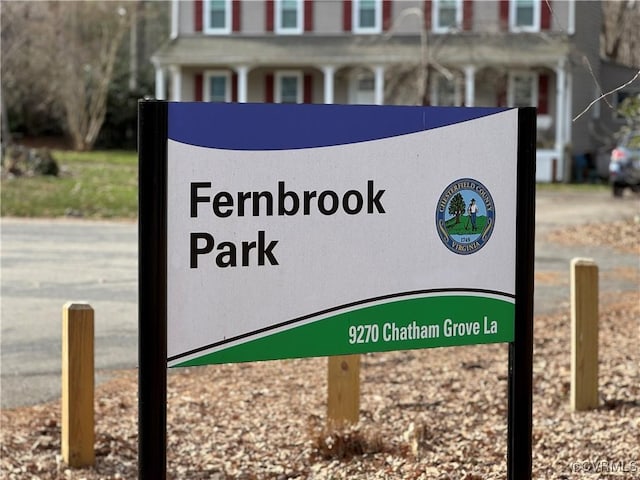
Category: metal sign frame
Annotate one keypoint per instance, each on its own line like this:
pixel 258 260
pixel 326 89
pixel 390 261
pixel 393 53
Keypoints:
pixel 152 322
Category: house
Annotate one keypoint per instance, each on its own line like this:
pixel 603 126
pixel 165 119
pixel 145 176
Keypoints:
pixel 542 53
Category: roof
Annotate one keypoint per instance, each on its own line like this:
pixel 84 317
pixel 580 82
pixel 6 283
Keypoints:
pixel 339 50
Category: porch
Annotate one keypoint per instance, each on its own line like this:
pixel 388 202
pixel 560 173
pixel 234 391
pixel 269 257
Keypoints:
pixel 378 70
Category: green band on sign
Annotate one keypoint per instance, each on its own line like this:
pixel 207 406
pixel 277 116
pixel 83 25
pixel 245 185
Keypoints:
pixel 415 323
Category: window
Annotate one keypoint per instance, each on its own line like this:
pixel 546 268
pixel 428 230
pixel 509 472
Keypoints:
pixel 363 89
pixel 288 87
pixel 524 15
pixel 289 16
pixel 445 92
pixel 367 16
pixel 217 87
pixel 447 15
pixel 523 90
pixel 217 16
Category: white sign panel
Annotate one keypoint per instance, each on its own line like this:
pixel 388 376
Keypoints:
pixel 302 230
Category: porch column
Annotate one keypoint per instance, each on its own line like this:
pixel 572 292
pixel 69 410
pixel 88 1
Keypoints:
pixel 243 73
pixel 561 118
pixel 469 85
pixel 328 72
pixel 176 83
pixel 161 91
pixel 379 84
pixel 568 122
pixel 568 109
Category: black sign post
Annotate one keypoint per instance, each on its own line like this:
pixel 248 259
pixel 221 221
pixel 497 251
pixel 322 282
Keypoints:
pixel 153 122
pixel 152 290
pixel 520 386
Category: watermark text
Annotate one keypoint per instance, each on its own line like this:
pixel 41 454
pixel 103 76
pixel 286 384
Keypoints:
pixel 613 467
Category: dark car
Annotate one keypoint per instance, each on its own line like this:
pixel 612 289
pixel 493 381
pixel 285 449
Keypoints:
pixel 624 166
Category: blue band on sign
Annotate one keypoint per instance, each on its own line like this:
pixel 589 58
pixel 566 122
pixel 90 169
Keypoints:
pixel 258 126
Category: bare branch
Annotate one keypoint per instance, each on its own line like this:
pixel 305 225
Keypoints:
pixel 635 77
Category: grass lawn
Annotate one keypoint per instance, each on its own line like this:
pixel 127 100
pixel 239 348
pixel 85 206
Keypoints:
pixel 101 184
pixel 599 186
pixel 104 184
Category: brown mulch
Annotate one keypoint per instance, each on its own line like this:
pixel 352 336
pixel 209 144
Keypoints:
pixel 424 414
pixel 623 235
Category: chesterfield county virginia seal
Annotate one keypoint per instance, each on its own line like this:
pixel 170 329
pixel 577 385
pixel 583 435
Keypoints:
pixel 465 216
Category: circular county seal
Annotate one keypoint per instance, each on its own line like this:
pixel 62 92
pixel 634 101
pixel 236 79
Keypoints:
pixel 465 216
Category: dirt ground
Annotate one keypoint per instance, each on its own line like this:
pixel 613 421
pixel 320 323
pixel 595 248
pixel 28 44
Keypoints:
pixel 424 414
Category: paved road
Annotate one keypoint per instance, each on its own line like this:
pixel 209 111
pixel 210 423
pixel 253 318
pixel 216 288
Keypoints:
pixel 46 263
pixel 619 272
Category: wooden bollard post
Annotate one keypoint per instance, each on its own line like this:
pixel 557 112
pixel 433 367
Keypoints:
pixel 77 385
pixel 343 406
pixel 584 334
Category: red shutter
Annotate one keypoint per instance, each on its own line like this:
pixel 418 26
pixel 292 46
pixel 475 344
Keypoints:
pixel 386 15
pixel 504 14
pixel 197 15
pixel 346 15
pixel 268 15
pixel 428 5
pixel 543 94
pixel 234 87
pixel 308 15
pixel 236 15
pixel 198 87
pixel 501 91
pixel 501 98
pixel 268 88
pixel 307 93
pixel 545 15
pixel 467 15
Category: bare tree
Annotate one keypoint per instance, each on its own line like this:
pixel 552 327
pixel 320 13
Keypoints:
pixel 64 54
pixel 408 83
pixel 87 37
pixel 25 66
pixel 621 31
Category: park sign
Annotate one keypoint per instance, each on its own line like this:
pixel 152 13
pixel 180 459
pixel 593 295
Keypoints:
pixel 301 230
pixel 282 231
